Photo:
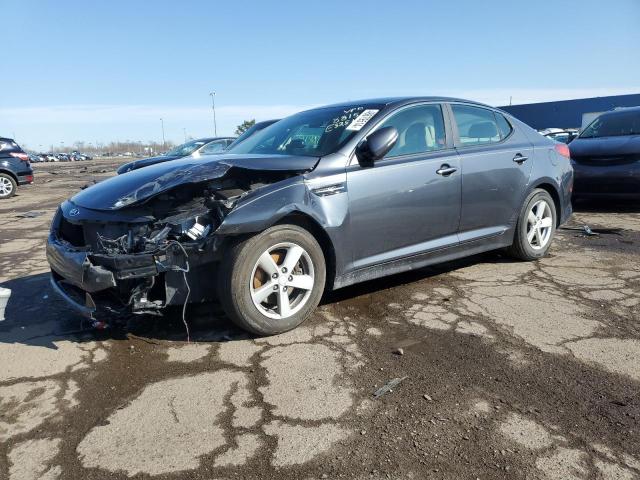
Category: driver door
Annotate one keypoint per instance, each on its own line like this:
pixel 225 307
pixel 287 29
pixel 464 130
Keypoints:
pixel 408 202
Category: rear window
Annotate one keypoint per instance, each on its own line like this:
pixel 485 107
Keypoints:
pixel 8 145
pixel 477 126
pixel 503 125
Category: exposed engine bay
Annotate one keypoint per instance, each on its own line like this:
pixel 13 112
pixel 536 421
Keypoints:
pixel 155 252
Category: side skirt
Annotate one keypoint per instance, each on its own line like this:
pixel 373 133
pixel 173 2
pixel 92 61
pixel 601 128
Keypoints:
pixel 454 252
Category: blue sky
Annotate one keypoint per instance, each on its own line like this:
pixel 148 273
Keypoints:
pixel 101 71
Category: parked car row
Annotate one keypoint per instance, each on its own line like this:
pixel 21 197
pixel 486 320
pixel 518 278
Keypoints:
pixel 74 156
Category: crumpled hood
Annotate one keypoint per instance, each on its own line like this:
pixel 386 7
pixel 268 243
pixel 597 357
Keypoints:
pixel 144 162
pixel 602 146
pixel 138 185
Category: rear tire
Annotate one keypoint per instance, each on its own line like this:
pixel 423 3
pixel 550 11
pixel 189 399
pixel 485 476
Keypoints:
pixel 272 282
pixel 535 228
pixel 8 186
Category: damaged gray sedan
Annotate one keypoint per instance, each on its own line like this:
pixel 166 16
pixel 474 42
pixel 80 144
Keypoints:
pixel 320 200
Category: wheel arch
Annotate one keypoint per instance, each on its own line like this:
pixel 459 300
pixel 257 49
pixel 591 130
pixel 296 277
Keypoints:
pixel 552 190
pixel 307 222
pixel 10 173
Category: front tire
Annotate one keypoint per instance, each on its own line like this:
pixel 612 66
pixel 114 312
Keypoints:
pixel 535 228
pixel 8 186
pixel 272 282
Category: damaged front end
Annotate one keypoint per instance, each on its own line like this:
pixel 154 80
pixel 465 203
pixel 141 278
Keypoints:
pixel 116 250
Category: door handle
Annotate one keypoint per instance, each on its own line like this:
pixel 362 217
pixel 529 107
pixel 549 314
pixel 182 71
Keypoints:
pixel 520 159
pixel 445 170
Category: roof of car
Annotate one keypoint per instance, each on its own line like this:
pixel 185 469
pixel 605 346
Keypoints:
pixel 621 110
pixel 210 139
pixel 404 100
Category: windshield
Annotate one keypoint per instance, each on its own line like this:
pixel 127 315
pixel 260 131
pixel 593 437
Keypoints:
pixel 614 125
pixel 313 133
pixel 185 149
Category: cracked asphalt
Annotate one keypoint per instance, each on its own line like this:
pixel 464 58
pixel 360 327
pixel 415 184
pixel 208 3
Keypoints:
pixel 510 370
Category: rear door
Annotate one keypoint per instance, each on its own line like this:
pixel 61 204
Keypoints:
pixel 409 201
pixel 496 160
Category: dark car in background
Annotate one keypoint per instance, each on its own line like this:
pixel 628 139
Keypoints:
pixel 317 201
pixel 201 146
pixel 606 156
pixel 15 168
pixel 256 127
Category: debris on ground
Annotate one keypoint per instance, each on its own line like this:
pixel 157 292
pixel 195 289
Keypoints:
pixel 587 231
pixel 399 351
pixel 427 397
pixel 30 214
pixel 388 387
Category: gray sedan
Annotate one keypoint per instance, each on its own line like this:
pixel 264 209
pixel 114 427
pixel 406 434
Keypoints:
pixel 317 201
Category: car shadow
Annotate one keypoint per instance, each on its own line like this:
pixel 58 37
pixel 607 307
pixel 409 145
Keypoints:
pixel 36 316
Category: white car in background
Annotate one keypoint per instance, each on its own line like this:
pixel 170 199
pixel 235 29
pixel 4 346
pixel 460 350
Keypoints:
pixel 562 135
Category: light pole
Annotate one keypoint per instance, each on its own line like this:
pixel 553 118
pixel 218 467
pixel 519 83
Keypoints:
pixel 213 107
pixel 185 134
pixel 162 124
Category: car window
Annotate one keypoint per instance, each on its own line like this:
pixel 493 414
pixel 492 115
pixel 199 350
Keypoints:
pixel 504 126
pixel 214 147
pixel 420 129
pixel 185 149
pixel 476 125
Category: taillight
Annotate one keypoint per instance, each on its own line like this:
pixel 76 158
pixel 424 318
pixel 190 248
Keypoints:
pixel 563 149
pixel 22 156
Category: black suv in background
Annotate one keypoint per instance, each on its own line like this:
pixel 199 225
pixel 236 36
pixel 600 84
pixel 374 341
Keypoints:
pixel 15 168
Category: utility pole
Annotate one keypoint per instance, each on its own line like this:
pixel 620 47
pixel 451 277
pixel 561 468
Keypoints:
pixel 213 107
pixel 162 124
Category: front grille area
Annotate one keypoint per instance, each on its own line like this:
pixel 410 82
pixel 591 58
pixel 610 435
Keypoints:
pixel 606 160
pixel 71 233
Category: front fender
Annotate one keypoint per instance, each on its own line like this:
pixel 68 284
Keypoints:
pixel 260 212
pixel 329 212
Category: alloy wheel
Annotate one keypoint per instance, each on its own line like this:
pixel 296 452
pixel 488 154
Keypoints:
pixel 539 225
pixel 6 187
pixel 282 280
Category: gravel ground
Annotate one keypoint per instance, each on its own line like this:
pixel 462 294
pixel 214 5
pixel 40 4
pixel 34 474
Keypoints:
pixel 509 370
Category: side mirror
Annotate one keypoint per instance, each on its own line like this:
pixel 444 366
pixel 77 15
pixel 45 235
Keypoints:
pixel 376 145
